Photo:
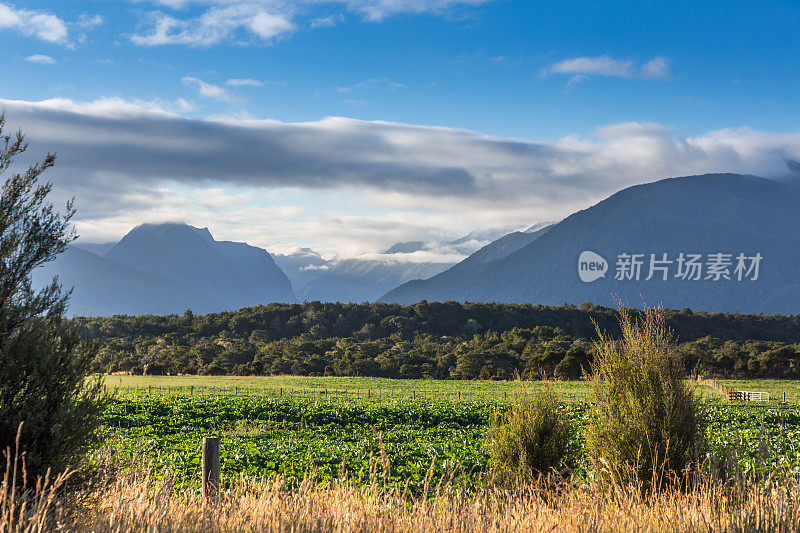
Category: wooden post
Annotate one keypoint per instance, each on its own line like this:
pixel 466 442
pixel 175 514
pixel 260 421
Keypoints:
pixel 281 391
pixel 191 391
pixel 210 467
pixel 459 396
pixel 236 392
pixel 149 390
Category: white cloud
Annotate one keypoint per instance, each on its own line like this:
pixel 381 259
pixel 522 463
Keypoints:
pixel 244 82
pixel 208 90
pixel 377 10
pixel 41 59
pixel 580 68
pixel 326 22
pixel 89 22
pixel 216 25
pixel 602 65
pixel 39 24
pixel 346 186
pixel 658 67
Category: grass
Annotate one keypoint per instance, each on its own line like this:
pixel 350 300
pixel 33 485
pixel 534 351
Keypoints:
pixel 430 388
pixel 446 389
pixel 135 502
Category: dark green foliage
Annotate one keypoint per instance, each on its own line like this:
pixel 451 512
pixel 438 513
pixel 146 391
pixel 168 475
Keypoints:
pixel 645 426
pixel 532 439
pixel 43 363
pixel 427 340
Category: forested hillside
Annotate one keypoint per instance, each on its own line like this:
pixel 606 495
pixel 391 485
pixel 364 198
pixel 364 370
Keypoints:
pixel 426 340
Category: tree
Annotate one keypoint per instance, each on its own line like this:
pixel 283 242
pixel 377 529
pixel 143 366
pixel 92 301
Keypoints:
pixel 43 359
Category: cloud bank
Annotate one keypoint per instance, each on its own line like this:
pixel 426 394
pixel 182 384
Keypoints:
pixel 126 161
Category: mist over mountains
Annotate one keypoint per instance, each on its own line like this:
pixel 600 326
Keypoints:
pixel 367 278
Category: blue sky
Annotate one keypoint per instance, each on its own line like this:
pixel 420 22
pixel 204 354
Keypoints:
pixel 459 114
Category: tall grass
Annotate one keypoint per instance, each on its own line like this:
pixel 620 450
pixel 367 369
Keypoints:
pixel 645 426
pixel 136 502
pixel 532 439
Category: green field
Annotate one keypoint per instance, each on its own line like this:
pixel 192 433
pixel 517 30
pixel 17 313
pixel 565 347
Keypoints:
pixel 425 427
pixel 343 387
pixel 264 436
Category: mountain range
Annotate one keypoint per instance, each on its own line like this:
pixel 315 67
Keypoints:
pixel 164 269
pixel 715 242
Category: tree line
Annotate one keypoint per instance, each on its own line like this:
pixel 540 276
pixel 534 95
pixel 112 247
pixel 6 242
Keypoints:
pixel 443 340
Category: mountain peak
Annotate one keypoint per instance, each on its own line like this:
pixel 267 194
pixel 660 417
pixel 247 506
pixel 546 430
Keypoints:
pixel 405 247
pixel 711 215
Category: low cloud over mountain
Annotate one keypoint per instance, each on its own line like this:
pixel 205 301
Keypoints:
pixel 132 161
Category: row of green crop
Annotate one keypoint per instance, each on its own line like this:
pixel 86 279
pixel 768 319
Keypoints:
pixel 266 436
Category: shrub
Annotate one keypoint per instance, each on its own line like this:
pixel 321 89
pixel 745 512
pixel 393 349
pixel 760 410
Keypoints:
pixel 532 439
pixel 645 426
pixel 43 359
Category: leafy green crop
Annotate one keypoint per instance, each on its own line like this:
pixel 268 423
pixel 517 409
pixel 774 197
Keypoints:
pixel 265 436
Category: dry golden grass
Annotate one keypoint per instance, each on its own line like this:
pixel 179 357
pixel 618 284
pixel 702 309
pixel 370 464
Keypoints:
pixel 137 503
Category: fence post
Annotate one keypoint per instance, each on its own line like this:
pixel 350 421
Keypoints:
pixel 191 391
pixel 210 467
pixel 149 390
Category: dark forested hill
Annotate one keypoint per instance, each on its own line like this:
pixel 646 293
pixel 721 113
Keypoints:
pixel 428 339
pixel 717 218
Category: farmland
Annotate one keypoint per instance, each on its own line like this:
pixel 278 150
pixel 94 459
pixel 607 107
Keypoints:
pixel 431 435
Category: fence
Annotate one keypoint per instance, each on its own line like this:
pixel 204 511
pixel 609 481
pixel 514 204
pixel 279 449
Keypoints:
pixel 736 395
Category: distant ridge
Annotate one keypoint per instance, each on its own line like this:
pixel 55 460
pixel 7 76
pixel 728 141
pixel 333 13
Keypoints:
pixel 167 268
pixel 713 213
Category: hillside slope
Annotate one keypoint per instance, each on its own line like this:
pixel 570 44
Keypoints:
pixel 708 214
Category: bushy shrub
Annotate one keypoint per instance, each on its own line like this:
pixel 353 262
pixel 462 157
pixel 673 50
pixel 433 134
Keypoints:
pixel 43 359
pixel 645 427
pixel 532 439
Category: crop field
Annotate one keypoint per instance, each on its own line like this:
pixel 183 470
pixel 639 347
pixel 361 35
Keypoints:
pixel 343 387
pixel 426 438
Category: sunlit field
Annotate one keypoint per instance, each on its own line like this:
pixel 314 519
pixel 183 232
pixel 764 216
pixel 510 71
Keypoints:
pixel 355 387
